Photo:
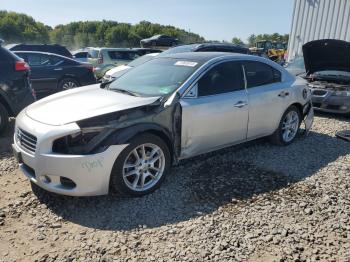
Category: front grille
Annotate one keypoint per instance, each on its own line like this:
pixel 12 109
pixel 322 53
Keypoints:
pixel 319 92
pixel 26 140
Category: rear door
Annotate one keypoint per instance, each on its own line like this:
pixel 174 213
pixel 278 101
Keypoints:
pixel 217 114
pixel 45 72
pixel 268 98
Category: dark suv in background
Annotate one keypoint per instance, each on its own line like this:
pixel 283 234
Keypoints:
pixel 54 49
pixel 207 47
pixel 15 89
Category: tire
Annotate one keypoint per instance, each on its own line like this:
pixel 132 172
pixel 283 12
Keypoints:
pixel 279 137
pixel 67 83
pixel 4 118
pixel 125 184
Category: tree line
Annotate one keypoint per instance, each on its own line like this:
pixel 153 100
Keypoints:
pixel 21 28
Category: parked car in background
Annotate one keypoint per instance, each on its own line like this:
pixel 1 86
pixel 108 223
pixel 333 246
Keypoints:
pixel 126 135
pixel 15 89
pixel 80 55
pixel 118 71
pixel 327 65
pixel 104 59
pixel 207 47
pixel 144 51
pixel 296 66
pixel 51 73
pixel 159 40
pixel 54 49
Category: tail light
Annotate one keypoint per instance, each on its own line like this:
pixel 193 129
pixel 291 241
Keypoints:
pixel 90 68
pixel 21 66
pixel 100 59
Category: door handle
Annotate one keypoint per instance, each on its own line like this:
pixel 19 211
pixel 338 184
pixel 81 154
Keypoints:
pixel 283 94
pixel 58 69
pixel 240 104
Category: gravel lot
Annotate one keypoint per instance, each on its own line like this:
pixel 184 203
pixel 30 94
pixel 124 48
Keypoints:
pixel 247 203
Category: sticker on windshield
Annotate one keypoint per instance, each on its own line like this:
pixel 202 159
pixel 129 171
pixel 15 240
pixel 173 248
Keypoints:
pixel 186 63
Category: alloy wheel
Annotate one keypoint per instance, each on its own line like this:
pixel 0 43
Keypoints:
pixel 290 126
pixel 143 167
pixel 69 85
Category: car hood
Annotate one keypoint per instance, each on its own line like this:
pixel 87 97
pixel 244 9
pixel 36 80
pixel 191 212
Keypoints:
pixel 82 103
pixel 326 54
pixel 117 70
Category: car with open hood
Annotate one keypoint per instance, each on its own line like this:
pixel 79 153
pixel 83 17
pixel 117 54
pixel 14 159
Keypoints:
pixel 327 67
pixel 124 135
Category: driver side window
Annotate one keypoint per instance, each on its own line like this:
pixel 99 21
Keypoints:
pixel 223 78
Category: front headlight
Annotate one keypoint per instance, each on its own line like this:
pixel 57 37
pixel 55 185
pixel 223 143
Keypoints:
pixel 341 93
pixel 77 143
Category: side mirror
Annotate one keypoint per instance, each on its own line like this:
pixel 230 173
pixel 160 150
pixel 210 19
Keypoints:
pixel 193 92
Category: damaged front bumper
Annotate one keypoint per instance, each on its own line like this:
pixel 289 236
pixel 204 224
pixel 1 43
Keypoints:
pixel 74 175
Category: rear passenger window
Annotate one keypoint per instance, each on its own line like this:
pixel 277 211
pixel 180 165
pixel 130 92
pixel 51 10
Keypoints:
pixel 259 74
pixel 35 59
pixel 223 78
pixel 120 55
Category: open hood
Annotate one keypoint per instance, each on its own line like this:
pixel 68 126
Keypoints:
pixel 82 103
pixel 326 54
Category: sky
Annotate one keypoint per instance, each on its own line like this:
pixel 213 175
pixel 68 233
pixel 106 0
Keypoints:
pixel 213 19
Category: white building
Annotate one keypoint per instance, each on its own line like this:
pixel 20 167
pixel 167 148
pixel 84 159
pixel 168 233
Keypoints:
pixel 318 19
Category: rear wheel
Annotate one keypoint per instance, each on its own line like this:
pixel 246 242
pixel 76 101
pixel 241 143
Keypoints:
pixel 67 83
pixel 141 167
pixel 4 118
pixel 288 127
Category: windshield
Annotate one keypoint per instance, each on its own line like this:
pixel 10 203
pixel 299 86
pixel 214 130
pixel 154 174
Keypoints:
pixel 140 60
pixel 160 76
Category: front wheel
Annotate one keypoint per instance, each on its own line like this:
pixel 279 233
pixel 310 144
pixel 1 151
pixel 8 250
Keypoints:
pixel 288 127
pixel 141 167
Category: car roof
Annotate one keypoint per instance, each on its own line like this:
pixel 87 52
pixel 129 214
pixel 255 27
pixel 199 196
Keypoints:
pixel 112 49
pixel 204 56
pixel 43 53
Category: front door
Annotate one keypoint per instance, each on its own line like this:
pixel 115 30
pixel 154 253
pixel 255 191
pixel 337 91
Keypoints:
pixel 217 114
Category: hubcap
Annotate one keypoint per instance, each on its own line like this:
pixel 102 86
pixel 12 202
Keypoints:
pixel 143 167
pixel 69 85
pixel 290 126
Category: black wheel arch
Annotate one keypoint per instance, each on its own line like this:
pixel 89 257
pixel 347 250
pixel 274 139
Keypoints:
pixel 126 134
pixel 6 103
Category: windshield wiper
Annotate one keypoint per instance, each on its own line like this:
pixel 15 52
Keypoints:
pixel 124 91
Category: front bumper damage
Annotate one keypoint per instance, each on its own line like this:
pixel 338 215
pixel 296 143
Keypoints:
pixel 74 175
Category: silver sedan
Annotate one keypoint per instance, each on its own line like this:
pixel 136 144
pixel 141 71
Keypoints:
pixel 125 135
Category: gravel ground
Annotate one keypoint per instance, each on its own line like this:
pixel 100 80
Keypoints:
pixel 255 202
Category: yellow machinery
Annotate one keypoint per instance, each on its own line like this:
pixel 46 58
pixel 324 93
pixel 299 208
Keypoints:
pixel 272 50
